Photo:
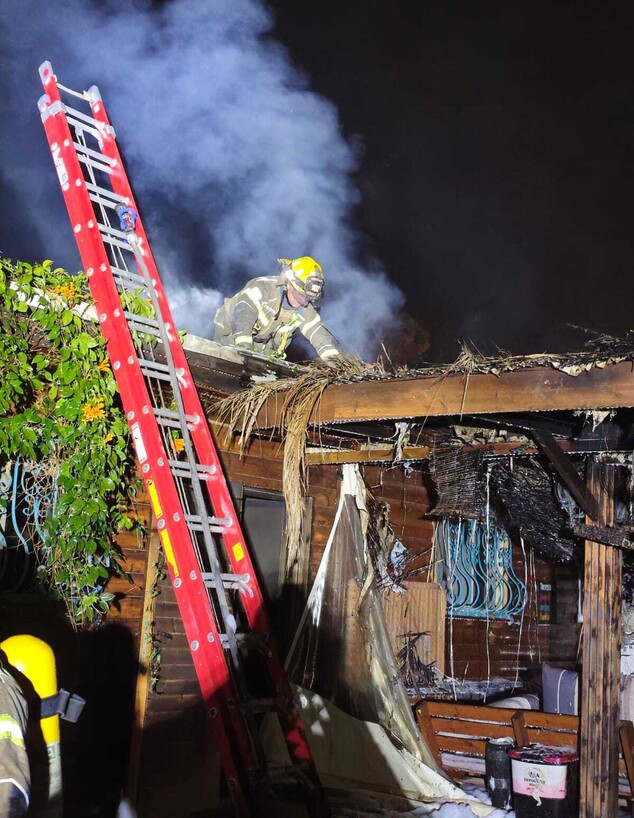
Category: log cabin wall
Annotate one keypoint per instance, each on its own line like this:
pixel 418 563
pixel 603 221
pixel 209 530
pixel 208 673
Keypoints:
pixel 565 634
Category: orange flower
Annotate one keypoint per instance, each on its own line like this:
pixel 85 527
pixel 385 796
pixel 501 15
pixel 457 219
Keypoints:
pixel 94 410
pixel 179 444
pixel 108 437
pixel 104 366
pixel 67 291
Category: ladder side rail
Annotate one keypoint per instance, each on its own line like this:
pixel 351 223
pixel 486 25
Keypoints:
pixel 195 482
pixel 192 597
pixel 222 503
pixel 217 486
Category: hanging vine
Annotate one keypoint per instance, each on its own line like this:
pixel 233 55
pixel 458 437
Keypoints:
pixel 59 408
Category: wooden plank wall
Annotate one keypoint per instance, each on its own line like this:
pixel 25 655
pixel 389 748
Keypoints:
pixel 422 609
pixel 127 608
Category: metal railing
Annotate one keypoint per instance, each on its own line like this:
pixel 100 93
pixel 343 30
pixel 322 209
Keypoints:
pixel 476 569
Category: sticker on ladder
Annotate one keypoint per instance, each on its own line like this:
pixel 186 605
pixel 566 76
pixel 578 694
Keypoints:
pixel 139 445
pixel 154 498
pixel 169 551
pixel 238 551
pixel 60 167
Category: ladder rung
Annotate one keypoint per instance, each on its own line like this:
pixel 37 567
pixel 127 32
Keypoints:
pixel 145 321
pixel 152 369
pixel 81 116
pixel 218 525
pixel 99 157
pixel 109 233
pixel 127 280
pixel 181 468
pixel 143 328
pixel 114 243
pixel 239 637
pixel 78 125
pixel 86 160
pixel 78 94
pixel 113 199
pixel 238 582
pixel 165 417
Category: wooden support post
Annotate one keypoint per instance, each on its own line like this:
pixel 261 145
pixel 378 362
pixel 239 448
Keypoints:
pixel 143 674
pixel 600 682
pixel 519 729
pixel 626 731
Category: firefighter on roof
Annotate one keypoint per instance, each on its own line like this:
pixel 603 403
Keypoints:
pixel 269 310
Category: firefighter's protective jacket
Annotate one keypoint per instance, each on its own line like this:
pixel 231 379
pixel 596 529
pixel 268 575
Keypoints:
pixel 15 778
pixel 260 317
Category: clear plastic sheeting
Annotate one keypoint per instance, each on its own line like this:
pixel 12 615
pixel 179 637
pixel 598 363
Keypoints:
pixel 360 725
pixel 342 651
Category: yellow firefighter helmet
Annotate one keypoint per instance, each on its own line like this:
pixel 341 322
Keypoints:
pixel 305 275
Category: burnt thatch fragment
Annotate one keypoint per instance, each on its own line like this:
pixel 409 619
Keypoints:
pixel 458 477
pixel 525 491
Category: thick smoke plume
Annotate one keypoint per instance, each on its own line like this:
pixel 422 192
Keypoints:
pixel 234 161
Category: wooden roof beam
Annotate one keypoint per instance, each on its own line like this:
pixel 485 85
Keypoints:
pixel 380 453
pixel 368 454
pixel 526 390
pixel 567 473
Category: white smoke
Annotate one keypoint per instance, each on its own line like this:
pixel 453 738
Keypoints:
pixel 224 141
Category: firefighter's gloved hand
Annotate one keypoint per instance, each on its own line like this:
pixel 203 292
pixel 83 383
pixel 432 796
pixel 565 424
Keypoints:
pixel 332 360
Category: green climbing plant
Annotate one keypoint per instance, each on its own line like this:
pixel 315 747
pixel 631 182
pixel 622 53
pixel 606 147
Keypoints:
pixel 59 407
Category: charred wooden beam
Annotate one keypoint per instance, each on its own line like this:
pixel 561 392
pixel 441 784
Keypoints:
pixel 369 454
pixel 566 471
pixel 529 423
pixel 380 453
pixel 527 390
pixel 616 536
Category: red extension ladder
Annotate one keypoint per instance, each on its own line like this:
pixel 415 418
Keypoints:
pixel 206 551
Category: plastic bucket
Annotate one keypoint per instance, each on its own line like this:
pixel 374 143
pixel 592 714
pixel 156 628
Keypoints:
pixel 545 782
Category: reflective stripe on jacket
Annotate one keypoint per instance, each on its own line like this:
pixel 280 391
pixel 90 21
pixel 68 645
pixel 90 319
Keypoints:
pixel 257 316
pixel 15 778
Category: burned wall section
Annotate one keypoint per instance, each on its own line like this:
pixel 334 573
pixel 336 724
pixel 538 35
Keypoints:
pixel 175 764
pixel 519 495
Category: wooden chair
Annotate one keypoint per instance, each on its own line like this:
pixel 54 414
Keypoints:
pixel 457 734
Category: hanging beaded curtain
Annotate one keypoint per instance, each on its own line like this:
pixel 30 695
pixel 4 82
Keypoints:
pixel 476 570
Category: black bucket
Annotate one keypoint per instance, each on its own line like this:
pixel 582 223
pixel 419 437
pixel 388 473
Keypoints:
pixel 498 771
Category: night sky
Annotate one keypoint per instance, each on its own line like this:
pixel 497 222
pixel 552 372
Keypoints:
pixel 497 148
pixel 494 157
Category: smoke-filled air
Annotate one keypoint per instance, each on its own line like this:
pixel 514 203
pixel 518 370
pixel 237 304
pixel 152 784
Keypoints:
pixel 235 162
